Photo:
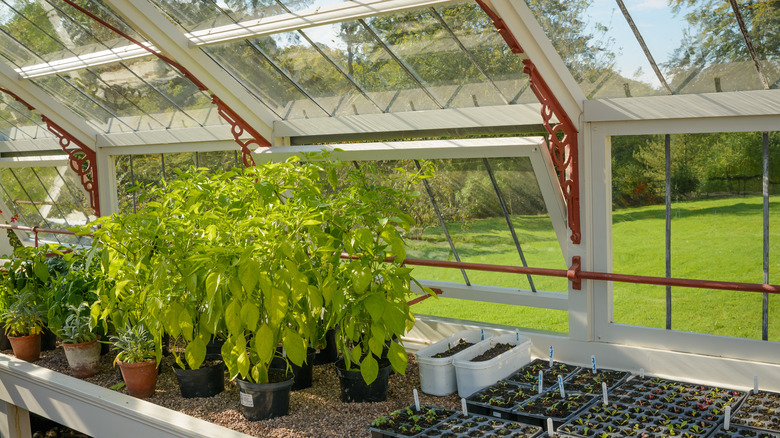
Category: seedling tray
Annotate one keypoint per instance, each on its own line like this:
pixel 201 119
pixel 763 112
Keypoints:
pixel 529 374
pixel 676 396
pixel 476 426
pixel 584 381
pixel 498 400
pixel 407 422
pixel 550 404
pixel 761 411
pixel 622 420
pixel 739 432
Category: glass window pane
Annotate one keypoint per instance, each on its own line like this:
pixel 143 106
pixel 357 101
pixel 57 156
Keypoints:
pixel 476 31
pixel 178 161
pixel 144 94
pixel 47 197
pixel 218 161
pixel 19 123
pixel 429 50
pixel 56 30
pixel 716 229
pixel 126 195
pixel 244 61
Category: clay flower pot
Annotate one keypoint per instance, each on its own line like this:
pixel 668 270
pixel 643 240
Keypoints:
pixel 140 378
pixel 26 347
pixel 83 358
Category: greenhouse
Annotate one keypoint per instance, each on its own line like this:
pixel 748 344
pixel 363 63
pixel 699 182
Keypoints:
pixel 356 189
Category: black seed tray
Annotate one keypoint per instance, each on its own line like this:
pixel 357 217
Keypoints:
pixel 621 420
pixel 412 422
pixel 583 380
pixel 661 393
pixel 737 432
pixel 760 411
pixel 476 426
pixel 550 405
pixel 498 400
pixel 529 374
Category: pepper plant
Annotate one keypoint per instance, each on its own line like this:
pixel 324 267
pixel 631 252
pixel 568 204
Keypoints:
pixel 367 217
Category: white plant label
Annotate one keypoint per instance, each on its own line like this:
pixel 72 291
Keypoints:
pixel 246 400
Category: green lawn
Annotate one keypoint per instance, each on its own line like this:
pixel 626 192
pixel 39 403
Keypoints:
pixel 711 239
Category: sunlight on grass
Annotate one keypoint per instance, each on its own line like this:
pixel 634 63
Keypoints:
pixel 718 239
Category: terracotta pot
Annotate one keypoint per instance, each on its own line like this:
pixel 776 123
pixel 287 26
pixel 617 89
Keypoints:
pixel 83 358
pixel 139 378
pixel 26 347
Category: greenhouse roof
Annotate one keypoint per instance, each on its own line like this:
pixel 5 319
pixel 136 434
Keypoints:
pixel 392 68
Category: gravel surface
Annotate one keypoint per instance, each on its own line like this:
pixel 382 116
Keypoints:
pixel 314 412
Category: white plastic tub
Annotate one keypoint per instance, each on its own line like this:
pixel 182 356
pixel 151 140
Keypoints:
pixel 437 375
pixel 473 376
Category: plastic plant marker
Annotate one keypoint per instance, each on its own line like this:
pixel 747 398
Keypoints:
pixel 593 361
pixel 463 407
pixel 604 391
pixel 642 373
pixel 416 400
pixel 560 383
pixel 541 381
pixel 483 334
pixel 755 384
pixel 551 356
pixel 550 431
pixel 727 418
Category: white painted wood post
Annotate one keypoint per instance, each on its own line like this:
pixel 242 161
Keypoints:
pixel 18 421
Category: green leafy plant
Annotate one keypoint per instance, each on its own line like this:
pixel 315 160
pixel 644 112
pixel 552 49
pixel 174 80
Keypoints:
pixel 366 220
pixel 76 285
pixel 23 316
pixel 134 343
pixel 76 328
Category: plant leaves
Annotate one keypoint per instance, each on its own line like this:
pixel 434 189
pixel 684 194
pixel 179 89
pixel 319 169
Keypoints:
pixel 369 369
pixel 250 315
pixel 294 346
pixel 233 317
pixel 186 325
pixel 397 356
pixel 264 343
pixel 375 304
pixel 195 353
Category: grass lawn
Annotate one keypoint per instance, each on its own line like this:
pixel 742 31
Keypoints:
pixel 719 239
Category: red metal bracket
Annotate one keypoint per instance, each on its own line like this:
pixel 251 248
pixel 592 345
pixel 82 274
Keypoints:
pixel 237 125
pixel 573 274
pixel 562 143
pixel 237 128
pixel 563 150
pixel 82 161
pixel 437 291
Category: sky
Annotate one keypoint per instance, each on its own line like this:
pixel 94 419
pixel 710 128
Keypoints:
pixel 660 28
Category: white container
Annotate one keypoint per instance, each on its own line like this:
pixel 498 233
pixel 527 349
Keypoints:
pixel 473 376
pixel 437 375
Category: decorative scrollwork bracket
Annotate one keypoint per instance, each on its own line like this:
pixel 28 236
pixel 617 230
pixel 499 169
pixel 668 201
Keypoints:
pixel 562 137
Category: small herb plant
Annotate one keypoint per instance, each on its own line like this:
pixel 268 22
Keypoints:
pixel 23 316
pixel 76 328
pixel 135 345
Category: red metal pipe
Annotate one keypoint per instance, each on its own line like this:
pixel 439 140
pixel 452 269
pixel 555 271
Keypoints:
pixel 681 282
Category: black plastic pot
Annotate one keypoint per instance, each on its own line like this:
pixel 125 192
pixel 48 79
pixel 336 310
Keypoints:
pixel 303 374
pixel 48 340
pixel 214 349
pixel 203 382
pixel 354 388
pixel 261 401
pixel 5 344
pixel 329 353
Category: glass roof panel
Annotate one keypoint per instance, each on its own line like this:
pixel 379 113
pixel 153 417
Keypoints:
pixel 430 52
pixel 474 29
pixel 144 94
pixel 762 23
pixel 265 80
pixel 19 123
pixel 369 65
pixel 55 30
pixel 312 71
pixel 699 49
